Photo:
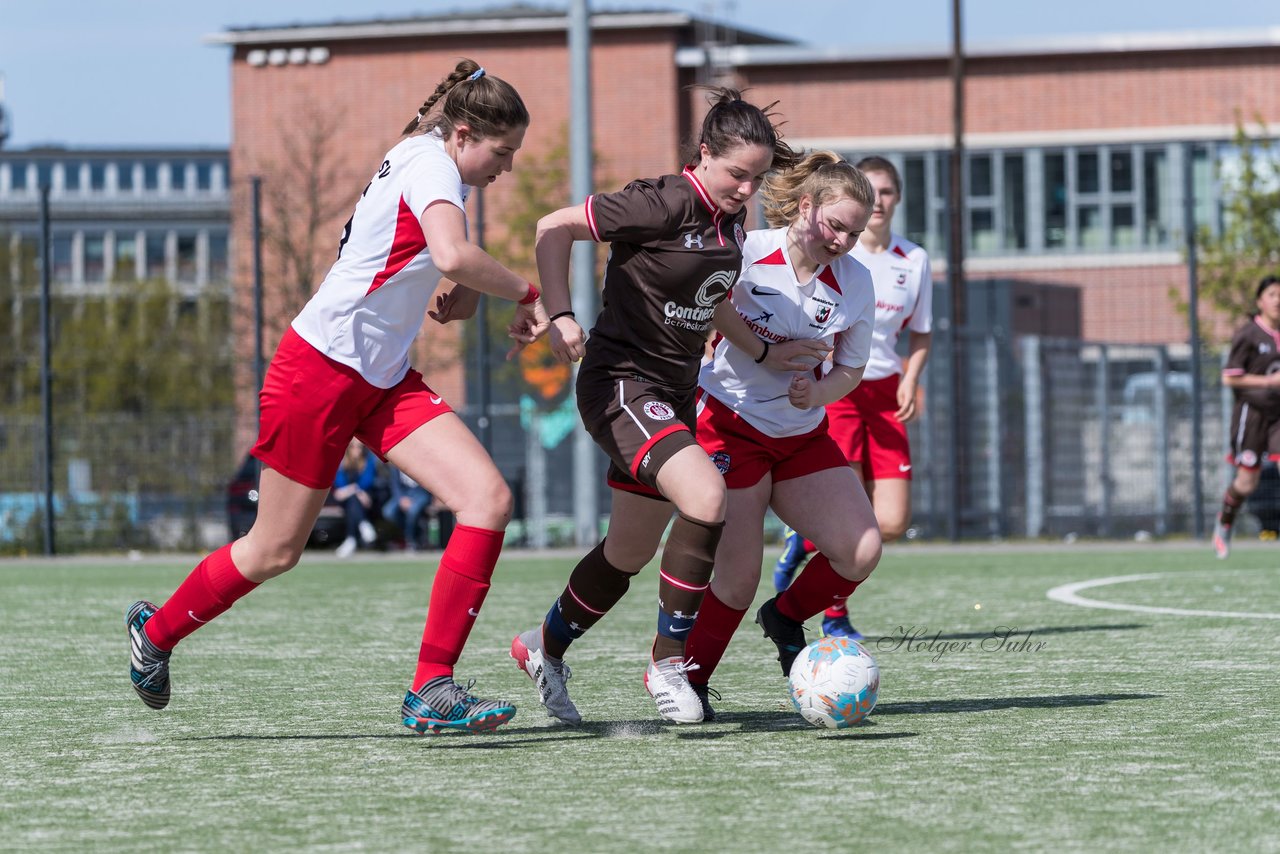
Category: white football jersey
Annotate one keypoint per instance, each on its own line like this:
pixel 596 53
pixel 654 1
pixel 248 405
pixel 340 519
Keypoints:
pixel 904 300
pixel 372 303
pixel 836 306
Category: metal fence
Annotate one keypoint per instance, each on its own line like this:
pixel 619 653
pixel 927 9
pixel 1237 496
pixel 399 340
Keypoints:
pixel 1057 438
pixel 1065 438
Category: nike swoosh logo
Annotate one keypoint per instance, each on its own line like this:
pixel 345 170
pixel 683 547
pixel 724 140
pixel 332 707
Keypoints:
pixel 901 467
pixel 473 612
pixel 764 292
pixel 436 401
pixel 676 631
pixel 192 615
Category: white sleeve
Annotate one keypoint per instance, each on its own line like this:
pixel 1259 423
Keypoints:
pixel 853 345
pixel 922 317
pixel 431 178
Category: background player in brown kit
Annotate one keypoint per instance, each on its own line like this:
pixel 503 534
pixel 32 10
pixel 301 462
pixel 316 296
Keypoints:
pixel 1252 373
pixel 676 249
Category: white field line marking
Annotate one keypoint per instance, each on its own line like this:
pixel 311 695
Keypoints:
pixel 1066 594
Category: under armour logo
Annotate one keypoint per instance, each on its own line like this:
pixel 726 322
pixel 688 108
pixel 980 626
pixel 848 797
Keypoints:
pixel 692 238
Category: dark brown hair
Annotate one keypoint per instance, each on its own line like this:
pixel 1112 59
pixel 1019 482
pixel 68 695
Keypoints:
pixel 820 175
pixel 875 163
pixel 470 96
pixel 732 121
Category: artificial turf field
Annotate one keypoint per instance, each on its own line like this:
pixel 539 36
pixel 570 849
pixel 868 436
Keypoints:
pixel 1133 730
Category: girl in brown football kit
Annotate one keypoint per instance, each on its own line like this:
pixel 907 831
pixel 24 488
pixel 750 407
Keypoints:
pixel 676 250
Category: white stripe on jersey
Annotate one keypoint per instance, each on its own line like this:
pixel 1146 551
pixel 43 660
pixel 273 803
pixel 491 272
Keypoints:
pixel 837 306
pixel 904 300
pixel 372 303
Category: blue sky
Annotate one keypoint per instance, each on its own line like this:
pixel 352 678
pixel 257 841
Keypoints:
pixel 136 72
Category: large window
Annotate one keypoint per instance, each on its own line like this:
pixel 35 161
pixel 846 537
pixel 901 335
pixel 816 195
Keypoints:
pixel 71 177
pixel 126 256
pixel 18 175
pixel 1092 199
pixel 217 257
pixel 155 254
pixel 187 257
pixel 97 177
pixel 95 258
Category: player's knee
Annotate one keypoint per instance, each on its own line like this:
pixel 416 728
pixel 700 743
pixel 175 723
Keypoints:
pixel 262 561
pixel 487 504
pixel 705 502
pixel 857 557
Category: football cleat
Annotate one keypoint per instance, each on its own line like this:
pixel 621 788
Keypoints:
pixel 442 704
pixel 667 682
pixel 549 675
pixel 1221 539
pixel 793 554
pixel 787 635
pixel 705 693
pixel 840 627
pixel 148 664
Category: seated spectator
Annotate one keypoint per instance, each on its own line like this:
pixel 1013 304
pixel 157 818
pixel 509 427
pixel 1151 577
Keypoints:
pixel 351 488
pixel 406 506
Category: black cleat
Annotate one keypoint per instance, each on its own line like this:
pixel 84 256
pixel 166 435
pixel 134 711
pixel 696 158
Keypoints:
pixel 705 692
pixel 786 634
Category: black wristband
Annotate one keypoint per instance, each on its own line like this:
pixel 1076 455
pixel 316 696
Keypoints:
pixel 764 355
pixel 560 314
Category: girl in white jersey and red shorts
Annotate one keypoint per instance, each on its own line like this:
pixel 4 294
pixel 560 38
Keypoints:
pixel 870 423
pixel 342 370
pixel 766 430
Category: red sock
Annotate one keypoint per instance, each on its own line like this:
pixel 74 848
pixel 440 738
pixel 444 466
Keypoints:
pixel 837 611
pixel 211 588
pixel 462 581
pixel 809 547
pixel 814 589
pixel 710 637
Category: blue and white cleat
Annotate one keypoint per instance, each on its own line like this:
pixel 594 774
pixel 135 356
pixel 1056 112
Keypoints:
pixel 840 627
pixel 148 664
pixel 443 704
pixel 793 554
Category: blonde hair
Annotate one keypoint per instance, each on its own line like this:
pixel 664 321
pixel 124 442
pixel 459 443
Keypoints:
pixel 820 175
pixel 488 105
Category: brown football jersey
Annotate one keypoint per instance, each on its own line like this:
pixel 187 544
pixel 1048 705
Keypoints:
pixel 1255 350
pixel 674 256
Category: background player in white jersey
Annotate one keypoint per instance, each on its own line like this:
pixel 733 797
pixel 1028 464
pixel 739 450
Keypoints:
pixel 675 251
pixel 342 370
pixel 870 423
pixel 766 430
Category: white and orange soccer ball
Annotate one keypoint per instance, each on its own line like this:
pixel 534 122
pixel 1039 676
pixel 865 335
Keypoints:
pixel 834 683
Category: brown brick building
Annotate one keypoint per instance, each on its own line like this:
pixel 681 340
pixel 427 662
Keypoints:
pixel 1075 146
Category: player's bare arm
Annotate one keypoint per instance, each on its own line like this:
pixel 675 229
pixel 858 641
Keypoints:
pixel 800 354
pixel 807 393
pixel 556 234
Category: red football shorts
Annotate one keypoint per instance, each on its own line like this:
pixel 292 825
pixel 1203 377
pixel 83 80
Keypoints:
pixel 311 406
pixel 744 455
pixel 863 425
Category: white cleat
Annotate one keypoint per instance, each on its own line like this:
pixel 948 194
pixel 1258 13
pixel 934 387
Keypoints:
pixel 1221 540
pixel 667 681
pixel 549 675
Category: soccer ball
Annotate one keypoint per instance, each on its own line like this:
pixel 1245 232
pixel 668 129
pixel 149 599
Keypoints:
pixel 834 683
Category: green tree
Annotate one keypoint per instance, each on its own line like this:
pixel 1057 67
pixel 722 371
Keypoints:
pixel 1232 263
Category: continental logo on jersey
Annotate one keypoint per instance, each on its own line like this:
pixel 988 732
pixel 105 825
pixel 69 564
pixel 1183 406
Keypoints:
pixel 721 461
pixel 659 411
pixel 697 317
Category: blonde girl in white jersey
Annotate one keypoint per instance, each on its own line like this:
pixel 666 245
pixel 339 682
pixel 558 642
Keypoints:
pixel 342 370
pixel 766 430
pixel 870 423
